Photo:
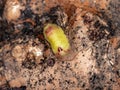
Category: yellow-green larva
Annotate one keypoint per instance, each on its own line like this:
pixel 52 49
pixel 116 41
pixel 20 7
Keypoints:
pixel 57 39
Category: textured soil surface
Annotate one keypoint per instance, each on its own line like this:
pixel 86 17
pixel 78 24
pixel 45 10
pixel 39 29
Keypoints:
pixel 26 58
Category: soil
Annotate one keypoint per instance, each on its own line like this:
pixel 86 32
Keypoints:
pixel 27 61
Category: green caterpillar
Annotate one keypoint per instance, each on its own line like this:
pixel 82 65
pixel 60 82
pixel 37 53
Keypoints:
pixel 57 39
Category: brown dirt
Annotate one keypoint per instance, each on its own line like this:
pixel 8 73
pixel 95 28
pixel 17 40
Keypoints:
pixel 92 27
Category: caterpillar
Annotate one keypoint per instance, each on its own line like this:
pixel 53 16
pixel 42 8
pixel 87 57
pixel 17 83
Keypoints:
pixel 57 39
